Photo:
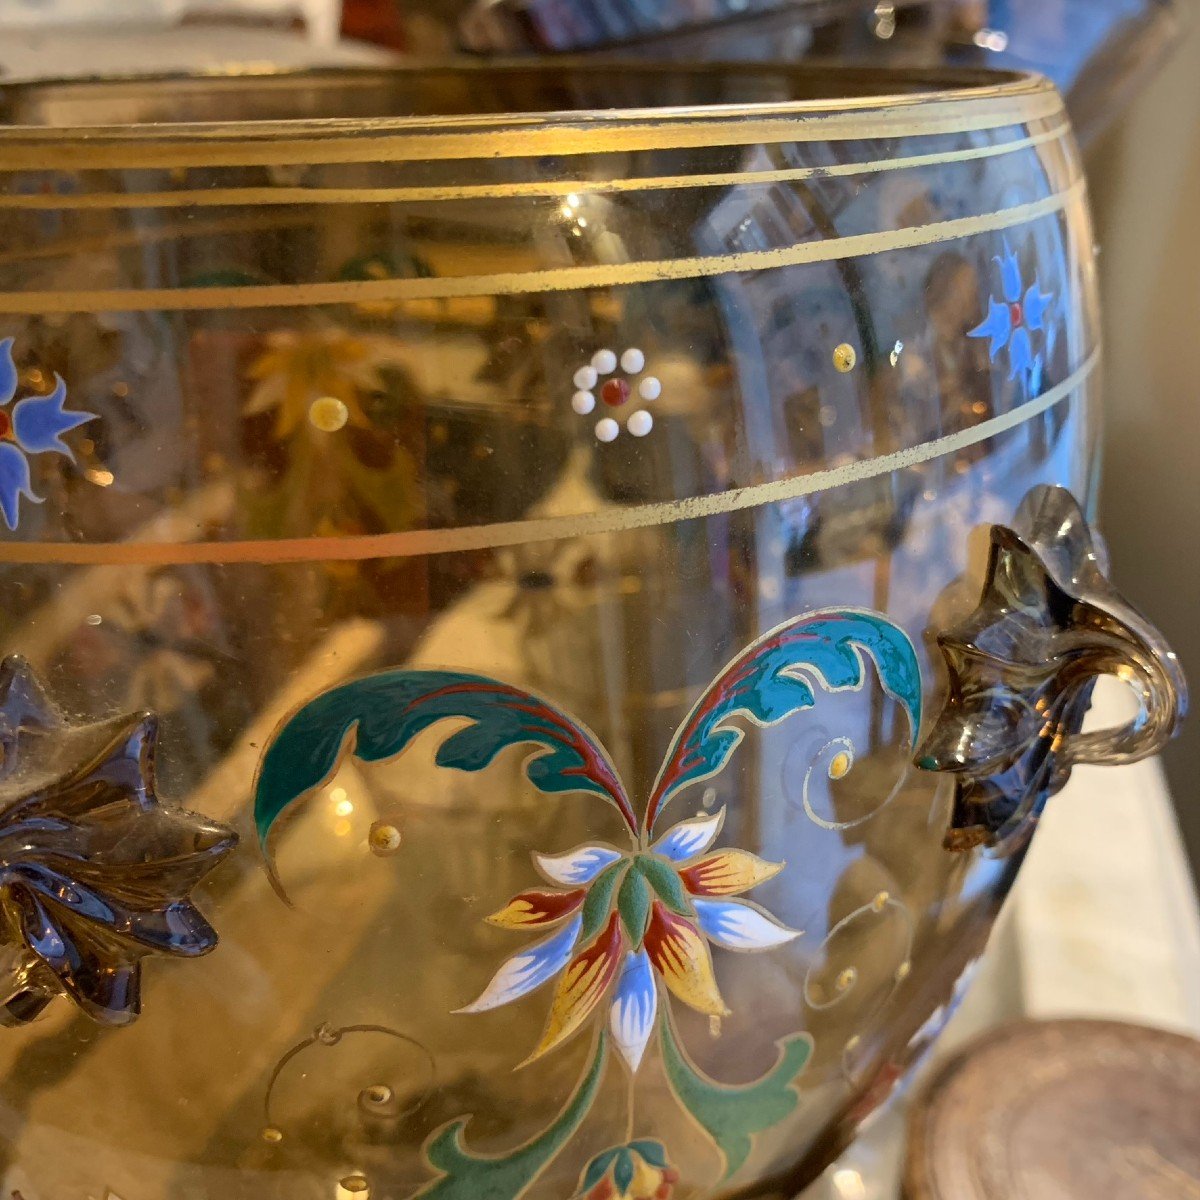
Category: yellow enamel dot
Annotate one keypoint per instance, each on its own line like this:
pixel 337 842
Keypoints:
pixel 839 765
pixel 378 1095
pixel 844 357
pixel 846 979
pixel 328 414
pixel 272 1135
pixel 880 902
pixel 384 838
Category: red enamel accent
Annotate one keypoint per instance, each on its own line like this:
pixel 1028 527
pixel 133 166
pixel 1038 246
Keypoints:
pixel 1017 315
pixel 605 949
pixel 726 873
pixel 615 392
pixel 681 756
pixel 5 425
pixel 539 908
pixel 695 878
pixel 582 986
pixel 597 768
pixel 680 955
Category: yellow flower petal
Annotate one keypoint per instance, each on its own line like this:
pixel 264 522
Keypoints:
pixel 680 955
pixel 582 987
pixel 537 908
pixel 727 872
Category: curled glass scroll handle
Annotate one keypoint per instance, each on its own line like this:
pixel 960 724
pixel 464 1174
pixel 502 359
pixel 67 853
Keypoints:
pixel 1021 669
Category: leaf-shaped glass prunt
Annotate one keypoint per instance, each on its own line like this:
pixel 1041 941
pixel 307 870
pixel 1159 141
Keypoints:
pixel 770 681
pixel 1021 671
pixel 95 873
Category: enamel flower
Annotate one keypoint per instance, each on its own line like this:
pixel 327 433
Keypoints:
pixel 297 369
pixel 34 425
pixel 1012 320
pixel 637 1171
pixel 616 921
pixel 637 916
pixel 614 926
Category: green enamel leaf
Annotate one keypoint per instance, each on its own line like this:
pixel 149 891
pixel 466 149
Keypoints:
pixel 732 1115
pixel 633 903
pixel 467 1176
pixel 623 1172
pixel 652 1152
pixel 596 1169
pixel 377 718
pixel 599 901
pixel 666 882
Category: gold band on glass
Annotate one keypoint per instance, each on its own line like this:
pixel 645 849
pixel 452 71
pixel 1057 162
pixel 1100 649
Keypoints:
pixel 410 543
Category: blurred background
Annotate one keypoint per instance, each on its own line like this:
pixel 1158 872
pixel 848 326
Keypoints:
pixel 1130 69
pixel 1144 175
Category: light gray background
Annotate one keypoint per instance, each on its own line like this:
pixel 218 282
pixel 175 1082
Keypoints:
pixel 1144 177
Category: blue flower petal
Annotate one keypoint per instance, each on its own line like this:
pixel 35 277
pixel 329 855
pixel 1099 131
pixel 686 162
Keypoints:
pixel 997 325
pixel 1020 354
pixel 1035 304
pixel 8 372
pixel 14 482
pixel 529 969
pixel 579 866
pixel 1010 274
pixel 1051 330
pixel 690 837
pixel 634 1008
pixel 38 422
pixel 1035 377
pixel 740 926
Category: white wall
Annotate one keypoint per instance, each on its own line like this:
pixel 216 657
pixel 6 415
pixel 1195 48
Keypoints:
pixel 1145 183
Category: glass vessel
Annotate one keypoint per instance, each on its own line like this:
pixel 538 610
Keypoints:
pixel 543 602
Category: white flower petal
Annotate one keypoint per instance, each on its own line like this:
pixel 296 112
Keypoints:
pixel 738 926
pixel 689 838
pixel 634 1008
pixel 577 866
pixel 529 969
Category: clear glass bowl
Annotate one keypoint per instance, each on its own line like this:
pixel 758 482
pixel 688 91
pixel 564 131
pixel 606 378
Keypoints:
pixel 434 453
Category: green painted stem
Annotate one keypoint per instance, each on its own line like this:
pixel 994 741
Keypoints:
pixel 467 1176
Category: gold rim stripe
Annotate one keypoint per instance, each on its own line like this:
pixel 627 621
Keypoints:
pixel 555 279
pixel 409 543
pixel 225 197
pixel 486 137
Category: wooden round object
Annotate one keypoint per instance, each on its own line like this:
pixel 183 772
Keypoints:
pixel 1061 1110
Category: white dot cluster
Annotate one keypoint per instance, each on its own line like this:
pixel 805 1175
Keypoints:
pixel 605 362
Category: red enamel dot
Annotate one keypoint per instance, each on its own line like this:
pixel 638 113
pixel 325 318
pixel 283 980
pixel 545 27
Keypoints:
pixel 1016 314
pixel 5 424
pixel 615 392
